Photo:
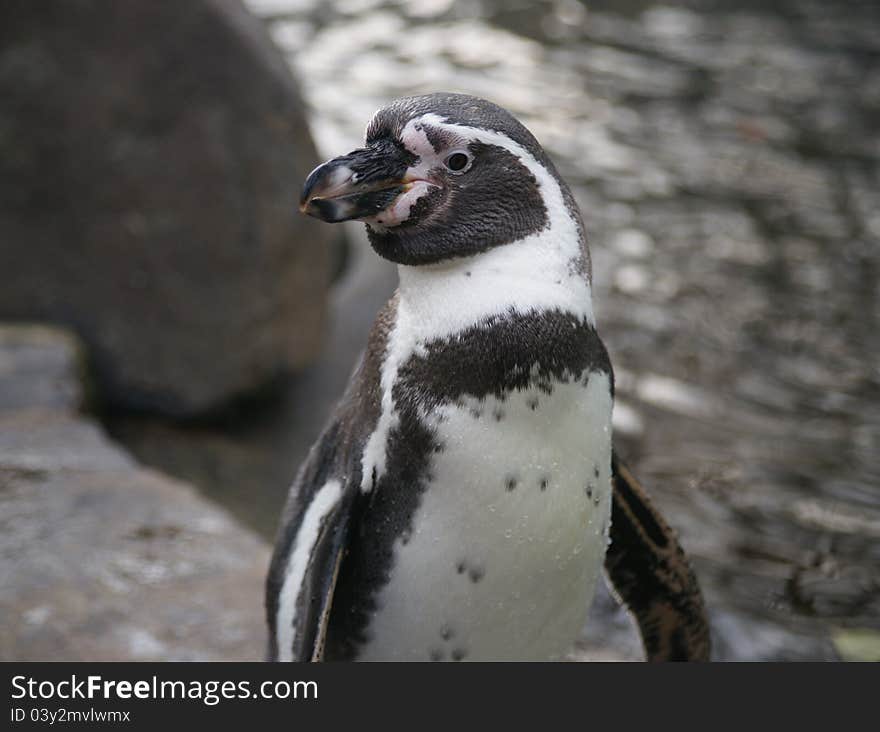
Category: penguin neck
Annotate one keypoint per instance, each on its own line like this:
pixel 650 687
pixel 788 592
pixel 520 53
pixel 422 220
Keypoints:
pixel 536 274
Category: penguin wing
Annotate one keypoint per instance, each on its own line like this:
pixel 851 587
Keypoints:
pixel 652 576
pixel 320 509
pixel 308 551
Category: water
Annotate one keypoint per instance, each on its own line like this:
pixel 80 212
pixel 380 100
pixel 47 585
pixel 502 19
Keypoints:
pixel 727 162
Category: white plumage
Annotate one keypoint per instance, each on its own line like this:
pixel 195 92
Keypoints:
pixel 513 513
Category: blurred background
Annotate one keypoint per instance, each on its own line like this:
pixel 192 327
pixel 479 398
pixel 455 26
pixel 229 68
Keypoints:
pixel 173 333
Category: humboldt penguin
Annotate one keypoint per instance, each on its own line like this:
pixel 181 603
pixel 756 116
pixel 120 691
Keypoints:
pixel 465 496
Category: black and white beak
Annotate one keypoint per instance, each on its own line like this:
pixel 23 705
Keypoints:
pixel 358 185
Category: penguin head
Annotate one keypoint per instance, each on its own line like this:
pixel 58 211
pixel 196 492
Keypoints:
pixel 441 176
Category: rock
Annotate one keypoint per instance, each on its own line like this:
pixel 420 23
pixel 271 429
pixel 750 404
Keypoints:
pixel 106 561
pixel 151 157
pixel 101 559
pixel 40 366
pixel 258 453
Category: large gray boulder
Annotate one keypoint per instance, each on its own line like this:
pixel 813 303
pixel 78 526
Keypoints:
pixel 151 156
pixel 100 558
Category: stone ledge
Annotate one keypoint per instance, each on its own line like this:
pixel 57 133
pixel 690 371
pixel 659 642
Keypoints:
pixel 101 559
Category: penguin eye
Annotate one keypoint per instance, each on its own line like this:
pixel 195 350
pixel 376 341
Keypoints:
pixel 458 162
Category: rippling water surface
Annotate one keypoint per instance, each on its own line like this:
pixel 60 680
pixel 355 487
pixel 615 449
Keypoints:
pixel 727 160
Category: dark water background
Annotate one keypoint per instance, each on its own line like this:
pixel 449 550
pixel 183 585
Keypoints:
pixel 726 156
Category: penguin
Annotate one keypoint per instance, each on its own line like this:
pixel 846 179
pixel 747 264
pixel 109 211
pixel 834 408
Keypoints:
pixel 464 497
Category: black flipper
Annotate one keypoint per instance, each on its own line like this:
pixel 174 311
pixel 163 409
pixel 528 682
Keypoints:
pixel 336 456
pixel 650 572
pixel 323 549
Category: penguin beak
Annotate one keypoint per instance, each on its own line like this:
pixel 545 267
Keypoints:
pixel 356 186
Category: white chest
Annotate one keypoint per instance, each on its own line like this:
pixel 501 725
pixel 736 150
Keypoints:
pixel 510 534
